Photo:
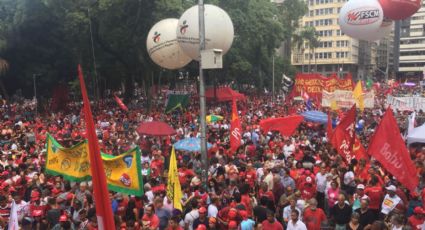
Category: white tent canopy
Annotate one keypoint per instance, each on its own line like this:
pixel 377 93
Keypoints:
pixel 417 135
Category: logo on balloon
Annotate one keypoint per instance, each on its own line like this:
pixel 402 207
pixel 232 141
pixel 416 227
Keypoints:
pixel 183 28
pixel 362 16
pixel 156 37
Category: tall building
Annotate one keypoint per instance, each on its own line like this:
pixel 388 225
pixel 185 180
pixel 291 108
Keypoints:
pixel 336 52
pixel 412 45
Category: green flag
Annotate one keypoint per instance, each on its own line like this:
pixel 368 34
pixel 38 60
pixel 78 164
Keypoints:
pixel 176 101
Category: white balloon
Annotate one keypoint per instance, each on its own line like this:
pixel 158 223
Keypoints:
pixel 361 19
pixel 219 31
pixel 383 31
pixel 163 47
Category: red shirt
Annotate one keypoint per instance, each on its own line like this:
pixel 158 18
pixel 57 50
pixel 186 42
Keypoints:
pixel 375 195
pixel 183 173
pixel 150 221
pixel 251 176
pixel 415 222
pixel 246 201
pixel 272 226
pixel 312 219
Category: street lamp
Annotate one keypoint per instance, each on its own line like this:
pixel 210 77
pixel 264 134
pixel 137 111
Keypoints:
pixel 202 94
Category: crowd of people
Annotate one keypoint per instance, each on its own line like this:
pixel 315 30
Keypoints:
pixel 270 182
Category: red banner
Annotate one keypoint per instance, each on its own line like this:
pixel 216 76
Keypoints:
pixel 285 125
pixel 235 128
pixel 343 137
pixel 314 83
pixel 389 149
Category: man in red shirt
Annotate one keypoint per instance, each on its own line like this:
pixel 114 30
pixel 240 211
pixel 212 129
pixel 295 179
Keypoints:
pixel 313 216
pixel 251 175
pixel 150 220
pixel 417 219
pixel 270 223
pixel 375 194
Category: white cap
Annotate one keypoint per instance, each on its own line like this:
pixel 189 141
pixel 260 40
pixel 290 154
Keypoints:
pixel 391 188
pixel 360 186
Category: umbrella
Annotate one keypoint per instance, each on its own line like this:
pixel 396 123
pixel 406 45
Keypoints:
pixel 315 116
pixel 192 144
pixel 213 118
pixel 155 128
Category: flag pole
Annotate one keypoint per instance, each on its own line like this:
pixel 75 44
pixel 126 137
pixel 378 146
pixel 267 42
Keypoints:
pixel 105 218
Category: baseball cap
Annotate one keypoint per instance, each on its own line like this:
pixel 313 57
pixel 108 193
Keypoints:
pixel 35 195
pixel 201 227
pixel 360 186
pixel 391 188
pixel 232 213
pixel 418 210
pixel 202 210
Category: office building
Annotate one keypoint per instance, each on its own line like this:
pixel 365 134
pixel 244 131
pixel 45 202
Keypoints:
pixel 336 52
pixel 412 45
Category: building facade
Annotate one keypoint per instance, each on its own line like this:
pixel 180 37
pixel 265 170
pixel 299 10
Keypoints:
pixel 336 51
pixel 412 45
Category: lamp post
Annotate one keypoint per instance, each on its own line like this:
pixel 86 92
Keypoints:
pixel 34 76
pixel 202 94
pixel 273 93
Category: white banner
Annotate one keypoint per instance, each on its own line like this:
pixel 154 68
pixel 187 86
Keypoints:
pixel 406 103
pixel 345 99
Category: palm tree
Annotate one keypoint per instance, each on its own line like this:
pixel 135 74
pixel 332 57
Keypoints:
pixel 306 35
pixel 298 44
pixel 310 36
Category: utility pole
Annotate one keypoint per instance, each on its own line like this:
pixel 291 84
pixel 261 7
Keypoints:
pixel 202 94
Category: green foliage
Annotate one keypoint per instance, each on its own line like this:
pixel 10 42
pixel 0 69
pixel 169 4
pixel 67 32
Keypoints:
pixel 50 37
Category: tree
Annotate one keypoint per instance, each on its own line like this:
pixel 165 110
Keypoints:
pixel 50 37
pixel 310 36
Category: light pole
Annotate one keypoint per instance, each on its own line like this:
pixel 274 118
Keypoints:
pixel 273 81
pixel 202 94
pixel 34 76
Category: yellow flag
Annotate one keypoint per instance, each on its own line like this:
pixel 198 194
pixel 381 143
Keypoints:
pixel 174 190
pixel 358 95
pixel 334 105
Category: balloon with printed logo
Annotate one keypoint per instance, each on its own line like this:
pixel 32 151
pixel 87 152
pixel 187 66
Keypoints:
pixel 219 31
pixel 361 19
pixel 383 31
pixel 163 47
pixel 400 9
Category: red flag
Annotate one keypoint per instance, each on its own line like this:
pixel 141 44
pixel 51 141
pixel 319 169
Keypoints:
pixel 105 218
pixel 235 128
pixel 120 103
pixel 389 149
pixel 358 150
pixel 343 137
pixel 285 125
pixel 329 127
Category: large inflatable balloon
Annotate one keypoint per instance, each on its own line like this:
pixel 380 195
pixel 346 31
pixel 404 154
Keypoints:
pixel 400 9
pixel 163 47
pixel 361 19
pixel 383 31
pixel 219 31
